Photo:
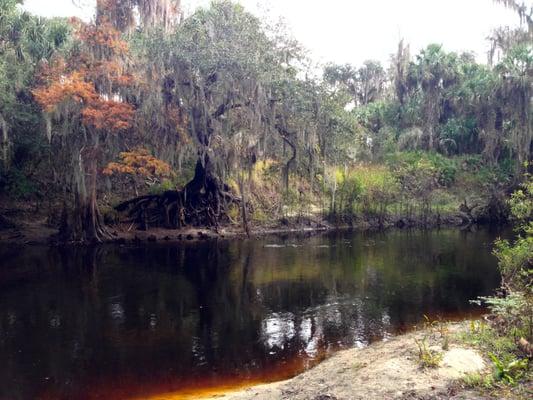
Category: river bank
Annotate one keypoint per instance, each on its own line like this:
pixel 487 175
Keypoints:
pixel 38 231
pixel 390 369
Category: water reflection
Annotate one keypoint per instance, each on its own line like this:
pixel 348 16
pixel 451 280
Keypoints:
pixel 116 322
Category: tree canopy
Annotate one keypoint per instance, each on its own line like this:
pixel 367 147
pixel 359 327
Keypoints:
pixel 190 104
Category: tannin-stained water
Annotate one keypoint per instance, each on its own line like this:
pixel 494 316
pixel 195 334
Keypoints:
pixel 121 322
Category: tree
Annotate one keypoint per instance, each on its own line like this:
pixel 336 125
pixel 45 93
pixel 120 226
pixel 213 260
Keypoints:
pixel 516 71
pixel 364 85
pixel 435 71
pixel 139 164
pixel 25 40
pixel 371 82
pixel 230 79
pixel 399 73
pixel 524 12
pixel 85 94
pixel 152 13
pixel 210 96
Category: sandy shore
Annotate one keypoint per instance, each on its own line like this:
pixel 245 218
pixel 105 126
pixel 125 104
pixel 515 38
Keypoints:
pixel 384 370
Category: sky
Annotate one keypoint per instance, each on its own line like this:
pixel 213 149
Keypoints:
pixel 352 31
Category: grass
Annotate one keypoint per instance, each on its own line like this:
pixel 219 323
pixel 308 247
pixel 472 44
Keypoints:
pixel 482 336
pixel 509 372
pixel 417 185
pixel 427 357
pixel 436 331
pixel 476 380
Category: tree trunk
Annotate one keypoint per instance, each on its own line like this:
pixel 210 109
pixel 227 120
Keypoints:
pixel 432 116
pixel 244 209
pixel 5 144
pixel 206 195
pixel 83 223
pixel 287 168
pixel 203 202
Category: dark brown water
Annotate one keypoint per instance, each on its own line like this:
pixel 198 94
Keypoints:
pixel 124 322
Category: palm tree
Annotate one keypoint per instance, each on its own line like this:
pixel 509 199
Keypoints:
pixel 435 71
pixel 516 71
pixel 25 40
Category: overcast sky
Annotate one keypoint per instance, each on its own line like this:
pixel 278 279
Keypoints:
pixel 351 31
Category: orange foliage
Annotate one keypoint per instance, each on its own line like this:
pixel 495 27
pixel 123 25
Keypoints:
pixel 102 35
pixel 52 70
pixel 72 87
pixel 109 115
pixel 112 71
pixel 98 113
pixel 92 78
pixel 76 81
pixel 139 162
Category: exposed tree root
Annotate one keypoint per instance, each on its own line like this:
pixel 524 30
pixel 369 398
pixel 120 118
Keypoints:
pixel 203 202
pixel 82 225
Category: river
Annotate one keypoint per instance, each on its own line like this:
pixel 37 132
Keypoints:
pixel 121 322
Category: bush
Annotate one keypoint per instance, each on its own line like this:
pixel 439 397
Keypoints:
pixel 482 335
pixel 515 260
pixel 508 368
pixel 513 319
pixel 372 188
pixel 427 358
pixel 513 314
pixel 444 169
pixel 162 187
pixel 515 263
pixel 234 213
pixel 509 372
pixel 379 188
pixel 349 190
pixel 110 215
pixel 457 134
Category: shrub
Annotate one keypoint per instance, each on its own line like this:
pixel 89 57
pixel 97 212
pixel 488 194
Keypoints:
pixel 349 190
pixel 162 187
pixel 427 358
pixel 512 316
pixel 371 187
pixel 443 169
pixel 515 263
pixel 508 371
pixel 234 213
pixel 486 337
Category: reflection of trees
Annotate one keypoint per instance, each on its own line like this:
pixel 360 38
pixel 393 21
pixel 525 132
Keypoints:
pixel 374 283
pixel 156 313
pixel 32 322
